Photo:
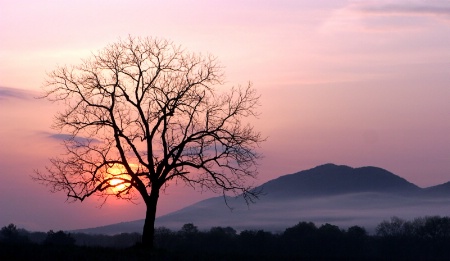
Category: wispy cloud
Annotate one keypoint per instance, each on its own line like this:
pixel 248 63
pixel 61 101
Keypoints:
pixel 429 8
pixel 15 93
pixel 67 137
pixel 388 16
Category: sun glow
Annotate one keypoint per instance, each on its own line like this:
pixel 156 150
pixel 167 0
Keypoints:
pixel 118 184
pixel 119 178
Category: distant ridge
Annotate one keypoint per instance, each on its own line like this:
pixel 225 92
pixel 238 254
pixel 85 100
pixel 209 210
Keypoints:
pixel 331 179
pixel 328 193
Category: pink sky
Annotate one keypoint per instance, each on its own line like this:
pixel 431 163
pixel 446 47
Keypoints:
pixel 348 82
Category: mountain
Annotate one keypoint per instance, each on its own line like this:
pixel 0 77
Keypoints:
pixel 329 193
pixel 330 179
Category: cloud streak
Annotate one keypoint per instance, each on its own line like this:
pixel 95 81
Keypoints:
pixel 14 93
pixel 68 137
pixel 388 16
pixel 410 9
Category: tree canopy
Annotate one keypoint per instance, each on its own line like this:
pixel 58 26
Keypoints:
pixel 142 112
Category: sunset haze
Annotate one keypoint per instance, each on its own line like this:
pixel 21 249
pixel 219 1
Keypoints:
pixel 358 83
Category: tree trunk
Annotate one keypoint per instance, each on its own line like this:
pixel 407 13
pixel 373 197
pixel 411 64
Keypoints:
pixel 149 224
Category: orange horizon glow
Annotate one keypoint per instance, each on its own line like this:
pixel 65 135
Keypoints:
pixel 119 178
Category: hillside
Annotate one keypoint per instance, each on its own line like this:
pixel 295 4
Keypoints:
pixel 442 190
pixel 330 179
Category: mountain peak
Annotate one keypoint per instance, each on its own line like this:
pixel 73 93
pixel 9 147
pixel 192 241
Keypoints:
pixel 331 179
pixel 328 167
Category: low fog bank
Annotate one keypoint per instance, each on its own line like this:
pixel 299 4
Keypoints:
pixel 361 209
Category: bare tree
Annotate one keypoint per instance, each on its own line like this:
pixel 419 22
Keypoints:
pixel 142 112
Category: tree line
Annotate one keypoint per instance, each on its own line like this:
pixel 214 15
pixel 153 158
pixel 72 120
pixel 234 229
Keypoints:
pixel 425 238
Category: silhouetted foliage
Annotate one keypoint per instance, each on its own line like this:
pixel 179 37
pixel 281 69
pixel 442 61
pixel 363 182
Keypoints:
pixel 188 229
pixel 357 242
pixel 332 240
pixel 11 235
pixel 425 238
pixel 259 243
pixel 122 240
pixel 59 239
pixel 356 232
pixel 163 237
pixel 434 227
pixel 36 237
pixel 396 227
pixel 302 236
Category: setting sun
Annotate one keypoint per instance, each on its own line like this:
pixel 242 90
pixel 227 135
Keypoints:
pixel 119 178
pixel 118 184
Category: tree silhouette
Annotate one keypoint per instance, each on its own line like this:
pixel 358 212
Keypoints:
pixel 59 238
pixel 189 229
pixel 393 228
pixel 9 232
pixel 143 112
pixel 12 235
